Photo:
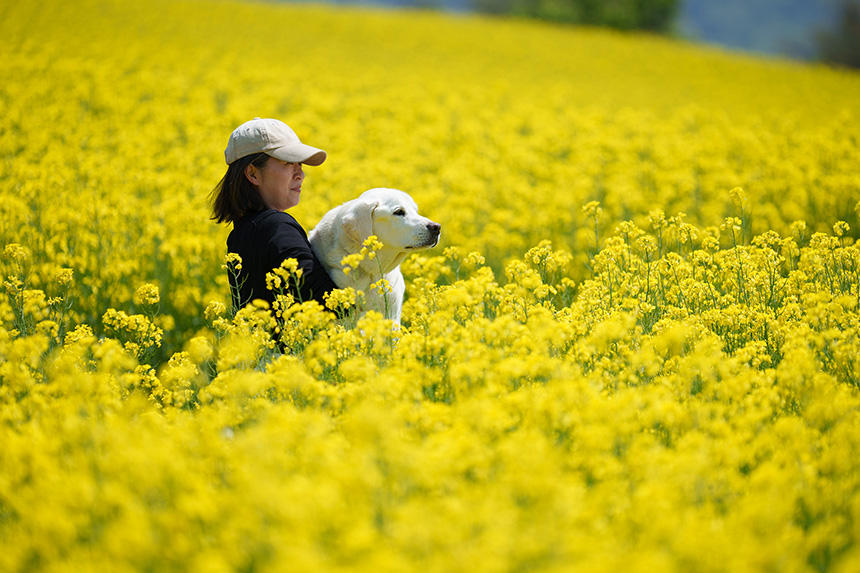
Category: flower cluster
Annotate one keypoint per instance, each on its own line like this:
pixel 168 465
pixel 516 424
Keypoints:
pixel 288 275
pixel 137 332
pixel 146 295
pixel 367 253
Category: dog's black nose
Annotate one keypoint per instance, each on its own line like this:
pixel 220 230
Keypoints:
pixel 434 228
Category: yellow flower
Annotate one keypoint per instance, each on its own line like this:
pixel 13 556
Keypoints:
pixel 731 224
pixel 232 262
pixel 840 228
pixel 146 295
pixel 16 253
pixel 372 243
pixel 64 276
pixel 215 309
pixel 739 198
pixel 592 209
pixel 382 286
pixel 340 298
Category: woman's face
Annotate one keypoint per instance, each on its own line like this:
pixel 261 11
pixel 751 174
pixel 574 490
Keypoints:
pixel 279 183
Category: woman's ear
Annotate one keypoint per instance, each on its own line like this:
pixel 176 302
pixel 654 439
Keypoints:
pixel 252 174
pixel 358 223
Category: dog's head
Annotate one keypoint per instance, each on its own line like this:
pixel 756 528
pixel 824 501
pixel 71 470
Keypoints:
pixel 392 216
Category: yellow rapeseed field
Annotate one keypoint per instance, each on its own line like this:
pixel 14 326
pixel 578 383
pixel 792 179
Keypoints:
pixel 636 348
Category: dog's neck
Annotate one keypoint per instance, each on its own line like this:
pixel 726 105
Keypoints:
pixel 389 261
pixel 381 264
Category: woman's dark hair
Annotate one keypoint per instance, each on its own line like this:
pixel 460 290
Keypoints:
pixel 235 196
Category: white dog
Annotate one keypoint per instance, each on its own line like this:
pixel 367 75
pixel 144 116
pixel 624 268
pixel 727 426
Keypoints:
pixel 392 216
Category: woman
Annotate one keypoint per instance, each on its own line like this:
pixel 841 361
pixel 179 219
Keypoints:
pixel 264 179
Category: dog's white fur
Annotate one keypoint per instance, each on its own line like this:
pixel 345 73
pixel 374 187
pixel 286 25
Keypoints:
pixel 392 216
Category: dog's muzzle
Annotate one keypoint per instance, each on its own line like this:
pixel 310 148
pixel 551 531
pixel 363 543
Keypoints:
pixel 430 238
pixel 435 232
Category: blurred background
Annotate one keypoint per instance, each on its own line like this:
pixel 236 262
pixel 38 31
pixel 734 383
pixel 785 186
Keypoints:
pixel 813 30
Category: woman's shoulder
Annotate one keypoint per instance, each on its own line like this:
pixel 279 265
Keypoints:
pixel 279 228
pixel 272 218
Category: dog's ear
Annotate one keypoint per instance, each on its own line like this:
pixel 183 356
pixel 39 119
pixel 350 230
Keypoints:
pixel 358 223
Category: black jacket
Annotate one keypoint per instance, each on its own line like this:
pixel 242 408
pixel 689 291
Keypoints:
pixel 264 240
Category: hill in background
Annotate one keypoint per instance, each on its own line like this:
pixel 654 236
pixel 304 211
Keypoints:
pixel 779 27
pixel 784 27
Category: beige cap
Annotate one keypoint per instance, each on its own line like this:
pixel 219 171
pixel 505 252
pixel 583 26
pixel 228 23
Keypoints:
pixel 272 137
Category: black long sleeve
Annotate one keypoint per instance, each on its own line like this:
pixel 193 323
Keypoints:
pixel 264 240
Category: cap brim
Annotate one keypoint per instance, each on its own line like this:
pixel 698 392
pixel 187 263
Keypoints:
pixel 299 153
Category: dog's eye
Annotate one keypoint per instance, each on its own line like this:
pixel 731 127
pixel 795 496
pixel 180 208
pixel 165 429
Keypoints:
pixel 401 212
